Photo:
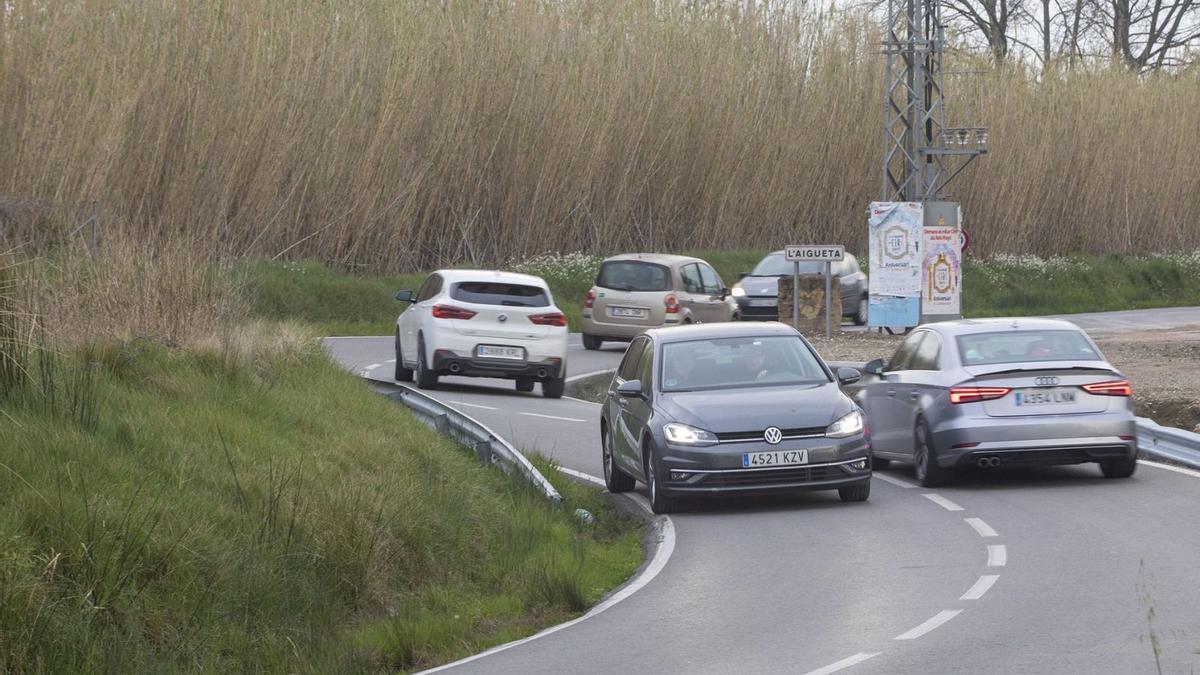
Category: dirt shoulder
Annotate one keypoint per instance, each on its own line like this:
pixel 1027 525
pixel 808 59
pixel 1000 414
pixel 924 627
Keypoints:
pixel 1162 364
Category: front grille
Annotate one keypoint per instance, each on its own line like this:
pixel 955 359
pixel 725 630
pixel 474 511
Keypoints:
pixel 800 474
pixel 788 434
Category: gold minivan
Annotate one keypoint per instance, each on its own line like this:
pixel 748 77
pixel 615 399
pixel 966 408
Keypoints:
pixel 637 291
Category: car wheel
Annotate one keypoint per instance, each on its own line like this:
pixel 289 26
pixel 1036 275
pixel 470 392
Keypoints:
pixel 615 479
pixel 855 493
pixel 524 384
pixel 929 474
pixel 402 374
pixel 1118 468
pixel 659 502
pixel 880 463
pixel 591 342
pixel 554 388
pixel 860 316
pixel 426 378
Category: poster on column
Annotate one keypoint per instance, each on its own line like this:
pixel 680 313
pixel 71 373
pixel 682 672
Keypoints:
pixel 941 271
pixel 895 269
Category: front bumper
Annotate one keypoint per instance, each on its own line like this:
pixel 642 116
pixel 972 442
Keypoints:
pixel 446 362
pixel 718 469
pixel 1041 440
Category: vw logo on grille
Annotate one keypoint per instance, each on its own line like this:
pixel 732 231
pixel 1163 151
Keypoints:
pixel 773 435
pixel 502 318
pixel 1045 381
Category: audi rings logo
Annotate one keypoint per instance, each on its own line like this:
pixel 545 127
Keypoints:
pixel 1048 381
pixel 773 435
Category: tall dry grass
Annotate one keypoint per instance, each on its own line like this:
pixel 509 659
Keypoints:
pixel 402 134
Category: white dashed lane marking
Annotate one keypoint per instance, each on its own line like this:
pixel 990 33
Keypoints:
pixel 937 620
pixel 982 586
pixel 981 527
pixel 472 405
pixel 894 481
pixel 942 502
pixel 997 556
pixel 554 417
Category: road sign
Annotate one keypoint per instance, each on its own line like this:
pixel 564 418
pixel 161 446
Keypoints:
pixel 963 240
pixel 814 253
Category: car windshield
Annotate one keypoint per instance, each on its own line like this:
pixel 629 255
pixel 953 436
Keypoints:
pixel 497 293
pixel 775 265
pixel 634 275
pixel 982 349
pixel 737 362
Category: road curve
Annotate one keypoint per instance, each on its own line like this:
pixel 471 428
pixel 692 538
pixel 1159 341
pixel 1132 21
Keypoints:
pixel 1017 571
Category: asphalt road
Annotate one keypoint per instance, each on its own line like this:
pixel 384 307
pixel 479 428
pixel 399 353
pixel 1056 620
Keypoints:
pixel 1015 571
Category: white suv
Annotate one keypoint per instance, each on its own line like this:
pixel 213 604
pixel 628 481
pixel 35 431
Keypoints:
pixel 482 324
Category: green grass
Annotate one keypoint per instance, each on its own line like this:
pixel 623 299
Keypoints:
pixel 345 304
pixel 178 510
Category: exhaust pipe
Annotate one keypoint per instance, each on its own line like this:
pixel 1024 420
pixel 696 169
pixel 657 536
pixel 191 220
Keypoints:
pixel 541 372
pixel 454 367
pixel 988 462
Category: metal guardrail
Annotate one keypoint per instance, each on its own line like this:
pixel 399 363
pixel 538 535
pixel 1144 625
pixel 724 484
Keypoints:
pixel 488 447
pixel 1176 445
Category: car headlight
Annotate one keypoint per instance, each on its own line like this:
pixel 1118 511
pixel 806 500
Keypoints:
pixel 849 425
pixel 738 291
pixel 682 434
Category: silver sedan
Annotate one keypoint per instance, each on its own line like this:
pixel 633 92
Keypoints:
pixel 998 392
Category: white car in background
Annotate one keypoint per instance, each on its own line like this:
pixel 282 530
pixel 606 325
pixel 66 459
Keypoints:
pixel 477 323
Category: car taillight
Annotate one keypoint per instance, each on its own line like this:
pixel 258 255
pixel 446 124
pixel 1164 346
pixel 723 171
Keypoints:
pixel 551 319
pixel 589 299
pixel 1110 388
pixel 451 312
pixel 672 304
pixel 976 394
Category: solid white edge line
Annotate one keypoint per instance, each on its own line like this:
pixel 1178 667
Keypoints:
pixel 890 479
pixel 373 366
pixel 983 585
pixel 942 501
pixel 662 554
pixel 390 361
pixel 1177 469
pixel 843 664
pixel 937 620
pixel 982 528
pixel 997 555
pixel 471 405
pixel 356 337
pixel 553 417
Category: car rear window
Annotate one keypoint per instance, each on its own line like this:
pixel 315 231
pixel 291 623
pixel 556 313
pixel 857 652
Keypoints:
pixel 634 275
pixel 499 293
pixel 1018 346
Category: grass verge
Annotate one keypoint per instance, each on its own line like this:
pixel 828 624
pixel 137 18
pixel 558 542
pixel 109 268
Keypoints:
pixel 344 304
pixel 166 510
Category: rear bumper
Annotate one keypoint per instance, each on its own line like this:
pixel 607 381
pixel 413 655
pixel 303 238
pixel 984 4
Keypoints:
pixel 620 331
pixel 449 363
pixel 1044 440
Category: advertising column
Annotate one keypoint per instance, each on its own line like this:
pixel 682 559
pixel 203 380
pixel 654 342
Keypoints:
pixel 895 265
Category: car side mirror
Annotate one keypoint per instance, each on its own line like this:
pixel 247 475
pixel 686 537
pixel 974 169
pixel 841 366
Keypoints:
pixel 404 296
pixel 725 293
pixel 874 367
pixel 743 275
pixel 847 375
pixel 630 389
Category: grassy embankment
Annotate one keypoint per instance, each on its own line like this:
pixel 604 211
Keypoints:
pixel 344 304
pixel 238 503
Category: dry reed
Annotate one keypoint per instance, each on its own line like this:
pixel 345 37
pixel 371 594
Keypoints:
pixel 399 135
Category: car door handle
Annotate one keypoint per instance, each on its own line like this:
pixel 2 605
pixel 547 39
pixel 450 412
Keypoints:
pixel 914 394
pixel 891 392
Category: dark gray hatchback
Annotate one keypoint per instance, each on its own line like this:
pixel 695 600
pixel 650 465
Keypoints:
pixel 731 408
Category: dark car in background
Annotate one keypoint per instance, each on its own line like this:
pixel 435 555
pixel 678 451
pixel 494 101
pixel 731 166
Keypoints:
pixel 731 408
pixel 757 293
pixel 998 392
